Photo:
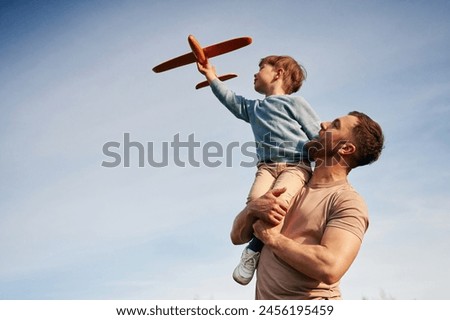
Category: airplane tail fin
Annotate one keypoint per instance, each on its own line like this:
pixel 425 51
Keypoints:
pixel 221 78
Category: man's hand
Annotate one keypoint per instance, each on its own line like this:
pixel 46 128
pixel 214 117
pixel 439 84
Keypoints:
pixel 266 232
pixel 269 208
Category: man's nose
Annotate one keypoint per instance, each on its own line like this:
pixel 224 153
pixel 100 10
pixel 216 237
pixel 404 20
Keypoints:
pixel 324 125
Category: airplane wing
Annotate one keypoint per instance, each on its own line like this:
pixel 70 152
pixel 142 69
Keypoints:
pixel 211 51
pixel 226 46
pixel 175 62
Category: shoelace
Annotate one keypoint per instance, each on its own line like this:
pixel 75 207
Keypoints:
pixel 249 262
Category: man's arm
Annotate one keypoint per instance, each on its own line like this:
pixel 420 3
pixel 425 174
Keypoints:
pixel 326 262
pixel 269 208
pixel 242 229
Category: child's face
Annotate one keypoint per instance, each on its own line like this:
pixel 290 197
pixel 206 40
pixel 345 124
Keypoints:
pixel 263 78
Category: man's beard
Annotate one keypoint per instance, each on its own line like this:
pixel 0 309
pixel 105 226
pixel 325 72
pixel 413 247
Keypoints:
pixel 322 148
pixel 314 149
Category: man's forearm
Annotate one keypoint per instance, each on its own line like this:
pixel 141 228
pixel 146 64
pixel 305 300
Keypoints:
pixel 312 260
pixel 242 229
pixel 326 261
pixel 268 207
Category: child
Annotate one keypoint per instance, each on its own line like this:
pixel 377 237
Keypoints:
pixel 281 124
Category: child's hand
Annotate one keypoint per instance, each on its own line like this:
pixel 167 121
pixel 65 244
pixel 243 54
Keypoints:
pixel 208 70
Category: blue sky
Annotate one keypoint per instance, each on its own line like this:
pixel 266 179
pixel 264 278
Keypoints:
pixel 76 75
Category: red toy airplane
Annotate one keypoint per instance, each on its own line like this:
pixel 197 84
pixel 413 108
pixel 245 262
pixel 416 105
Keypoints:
pixel 201 55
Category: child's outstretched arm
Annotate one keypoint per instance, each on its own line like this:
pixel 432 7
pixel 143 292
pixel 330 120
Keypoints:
pixel 236 104
pixel 208 70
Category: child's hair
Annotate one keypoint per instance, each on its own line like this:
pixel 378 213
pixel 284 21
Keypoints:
pixel 294 73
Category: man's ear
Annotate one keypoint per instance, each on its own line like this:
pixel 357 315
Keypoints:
pixel 347 148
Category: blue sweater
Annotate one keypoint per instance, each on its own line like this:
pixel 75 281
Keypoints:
pixel 281 124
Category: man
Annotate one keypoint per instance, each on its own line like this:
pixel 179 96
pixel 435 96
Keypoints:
pixel 309 249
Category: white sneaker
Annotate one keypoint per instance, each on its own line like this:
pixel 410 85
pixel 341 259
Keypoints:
pixel 245 270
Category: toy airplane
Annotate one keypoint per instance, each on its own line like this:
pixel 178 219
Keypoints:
pixel 201 55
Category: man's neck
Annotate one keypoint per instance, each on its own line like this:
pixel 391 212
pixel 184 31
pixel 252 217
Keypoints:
pixel 325 174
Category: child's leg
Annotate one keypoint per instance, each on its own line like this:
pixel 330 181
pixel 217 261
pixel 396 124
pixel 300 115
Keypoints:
pixel 264 180
pixel 293 177
pixel 245 270
pixel 255 244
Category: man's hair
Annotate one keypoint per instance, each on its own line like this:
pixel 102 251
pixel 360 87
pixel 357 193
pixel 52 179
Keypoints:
pixel 368 139
pixel 294 73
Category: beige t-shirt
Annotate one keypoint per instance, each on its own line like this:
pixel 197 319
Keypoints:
pixel 315 208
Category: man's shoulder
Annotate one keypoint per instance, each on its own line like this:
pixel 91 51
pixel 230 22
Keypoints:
pixel 338 192
pixel 347 192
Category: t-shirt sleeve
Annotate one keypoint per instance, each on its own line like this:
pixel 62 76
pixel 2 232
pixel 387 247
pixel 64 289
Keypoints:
pixel 349 212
